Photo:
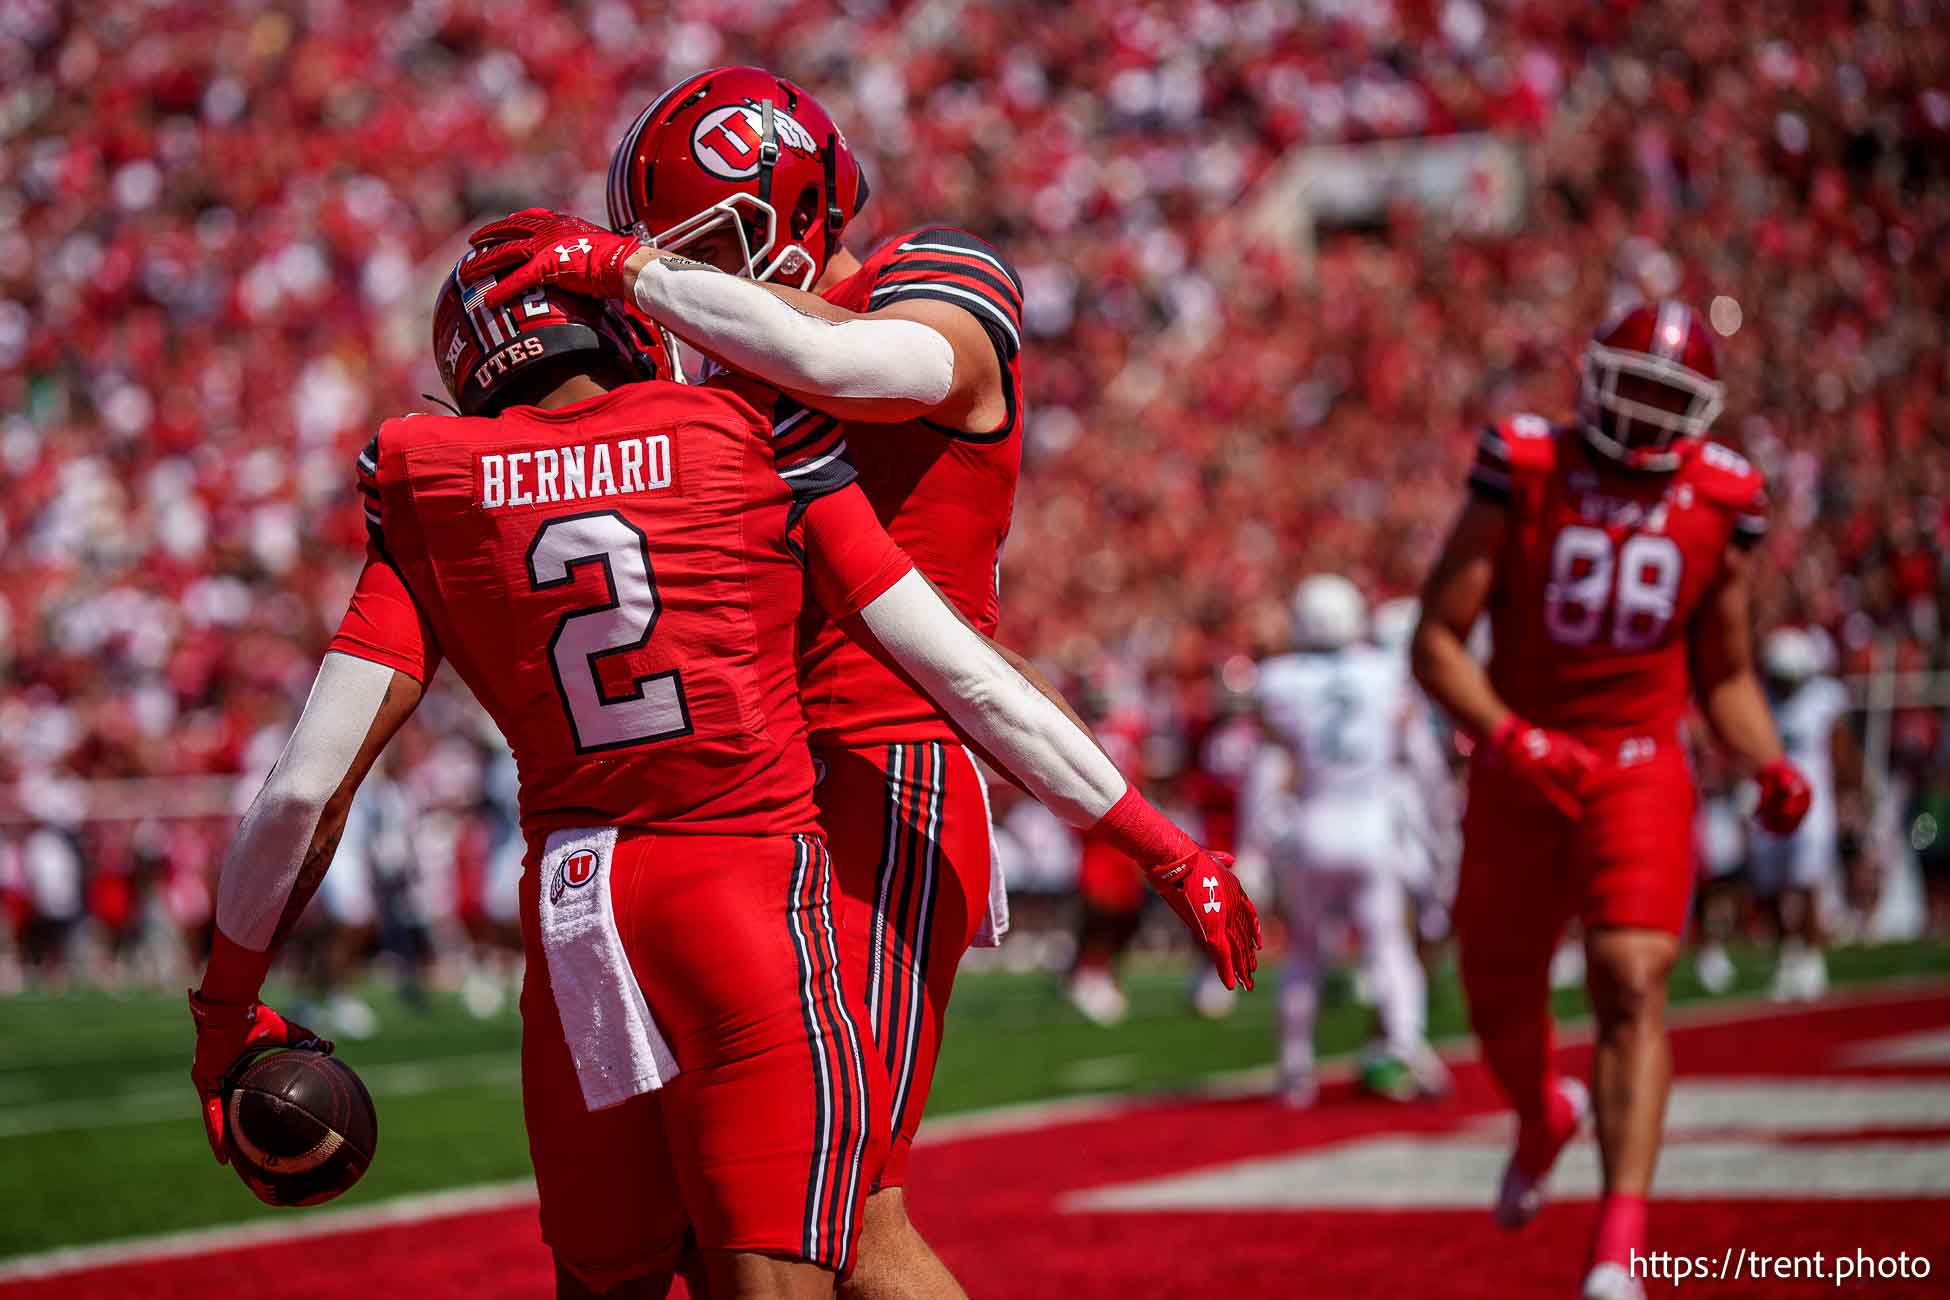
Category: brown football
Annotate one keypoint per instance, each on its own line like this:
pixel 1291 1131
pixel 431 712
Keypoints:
pixel 300 1126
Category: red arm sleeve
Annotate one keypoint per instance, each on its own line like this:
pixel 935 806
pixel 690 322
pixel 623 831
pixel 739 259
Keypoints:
pixel 851 558
pixel 383 623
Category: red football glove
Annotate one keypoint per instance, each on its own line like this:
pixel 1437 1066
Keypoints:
pixel 1558 767
pixel 1213 905
pixel 1784 797
pixel 228 1036
pixel 536 248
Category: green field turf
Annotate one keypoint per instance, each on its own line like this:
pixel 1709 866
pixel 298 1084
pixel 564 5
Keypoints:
pixel 99 1139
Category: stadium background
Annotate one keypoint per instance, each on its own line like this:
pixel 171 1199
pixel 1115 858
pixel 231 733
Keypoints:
pixel 1280 260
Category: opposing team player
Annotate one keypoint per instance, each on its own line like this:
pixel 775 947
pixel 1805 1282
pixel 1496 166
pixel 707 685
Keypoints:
pixel 1799 875
pixel 914 356
pixel 1337 709
pixel 616 570
pixel 1423 788
pixel 1612 557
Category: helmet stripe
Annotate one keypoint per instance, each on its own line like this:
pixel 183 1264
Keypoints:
pixel 1669 332
pixel 620 216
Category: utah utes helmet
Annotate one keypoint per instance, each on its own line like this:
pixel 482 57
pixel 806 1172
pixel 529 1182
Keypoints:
pixel 1622 409
pixel 1328 612
pixel 744 150
pixel 487 358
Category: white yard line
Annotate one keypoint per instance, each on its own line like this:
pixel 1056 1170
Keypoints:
pixel 993 1121
pixel 164 1097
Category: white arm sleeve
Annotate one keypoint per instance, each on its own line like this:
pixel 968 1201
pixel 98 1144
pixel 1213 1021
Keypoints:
pixel 1054 759
pixel 756 332
pixel 262 864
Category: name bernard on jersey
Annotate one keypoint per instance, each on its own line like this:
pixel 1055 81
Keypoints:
pixel 582 473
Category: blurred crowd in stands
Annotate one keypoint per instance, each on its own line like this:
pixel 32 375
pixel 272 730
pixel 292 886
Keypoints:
pixel 221 224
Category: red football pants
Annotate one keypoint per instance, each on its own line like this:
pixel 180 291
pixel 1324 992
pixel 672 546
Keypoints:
pixel 908 826
pixel 770 1134
pixel 1627 862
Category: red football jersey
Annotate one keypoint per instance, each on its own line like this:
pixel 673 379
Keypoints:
pixel 945 496
pixel 619 582
pixel 1601 574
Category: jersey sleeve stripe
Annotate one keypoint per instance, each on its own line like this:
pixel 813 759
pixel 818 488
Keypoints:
pixel 829 440
pixel 814 465
pixel 1489 482
pixel 964 245
pixel 911 270
pixel 817 478
pixel 807 436
pixel 958 297
pixel 784 424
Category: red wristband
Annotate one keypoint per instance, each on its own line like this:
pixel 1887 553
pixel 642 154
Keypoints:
pixel 1139 831
pixel 235 974
pixel 1501 733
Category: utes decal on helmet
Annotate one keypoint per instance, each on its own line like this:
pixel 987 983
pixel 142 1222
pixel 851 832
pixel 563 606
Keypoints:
pixel 481 351
pixel 1651 381
pixel 729 142
pixel 744 153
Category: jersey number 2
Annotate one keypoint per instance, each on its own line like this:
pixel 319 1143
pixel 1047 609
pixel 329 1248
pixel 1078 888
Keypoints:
pixel 655 710
pixel 1583 564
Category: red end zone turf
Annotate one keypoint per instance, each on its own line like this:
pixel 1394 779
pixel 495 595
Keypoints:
pixel 1793 1132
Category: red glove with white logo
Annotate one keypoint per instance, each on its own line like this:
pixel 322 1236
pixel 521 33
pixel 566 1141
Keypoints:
pixel 1557 766
pixel 1199 885
pixel 1213 905
pixel 229 1035
pixel 233 1028
pixel 1784 797
pixel 536 248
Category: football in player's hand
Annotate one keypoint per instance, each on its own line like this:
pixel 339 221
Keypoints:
pixel 300 1126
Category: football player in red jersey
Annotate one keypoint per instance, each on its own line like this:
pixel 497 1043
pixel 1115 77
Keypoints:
pixel 1612 558
pixel 915 356
pixel 616 569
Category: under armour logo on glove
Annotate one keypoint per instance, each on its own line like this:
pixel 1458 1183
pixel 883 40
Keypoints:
pixel 538 249
pixel 1225 922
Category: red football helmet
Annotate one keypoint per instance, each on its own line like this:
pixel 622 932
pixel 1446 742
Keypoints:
pixel 742 149
pixel 481 352
pixel 1651 378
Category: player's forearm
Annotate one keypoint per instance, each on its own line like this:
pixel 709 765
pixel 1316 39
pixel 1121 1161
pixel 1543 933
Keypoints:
pixel 1047 689
pixel 1028 736
pixel 1736 709
pixel 1454 680
pixel 292 828
pixel 789 343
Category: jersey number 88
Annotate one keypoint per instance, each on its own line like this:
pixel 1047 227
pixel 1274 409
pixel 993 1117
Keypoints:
pixel 1582 590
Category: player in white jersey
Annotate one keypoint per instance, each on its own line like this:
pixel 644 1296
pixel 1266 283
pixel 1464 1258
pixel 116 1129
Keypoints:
pixel 1334 713
pixel 1797 874
pixel 1427 808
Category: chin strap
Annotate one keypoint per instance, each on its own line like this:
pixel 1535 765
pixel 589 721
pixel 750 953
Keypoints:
pixel 835 219
pixel 768 150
